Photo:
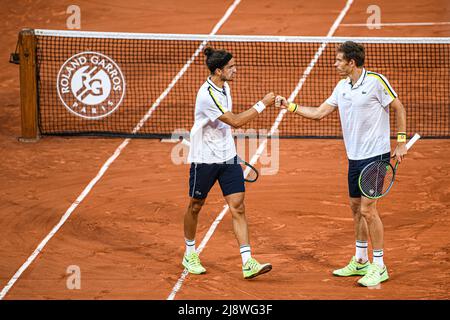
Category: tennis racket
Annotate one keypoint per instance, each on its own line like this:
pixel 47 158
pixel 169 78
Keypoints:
pixel 250 172
pixel 377 178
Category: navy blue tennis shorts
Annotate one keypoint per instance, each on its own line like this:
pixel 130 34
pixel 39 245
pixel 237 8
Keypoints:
pixel 354 170
pixel 203 176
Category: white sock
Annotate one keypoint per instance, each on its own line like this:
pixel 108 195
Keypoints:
pixel 378 257
pixel 190 246
pixel 245 253
pixel 361 251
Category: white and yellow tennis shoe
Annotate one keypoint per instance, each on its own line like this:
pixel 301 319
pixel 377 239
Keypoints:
pixel 192 263
pixel 354 268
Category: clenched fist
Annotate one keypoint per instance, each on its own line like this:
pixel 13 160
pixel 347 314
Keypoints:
pixel 269 99
pixel 281 102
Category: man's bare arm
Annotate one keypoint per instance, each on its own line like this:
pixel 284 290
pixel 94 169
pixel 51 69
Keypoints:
pixel 400 114
pixel 240 119
pixel 315 113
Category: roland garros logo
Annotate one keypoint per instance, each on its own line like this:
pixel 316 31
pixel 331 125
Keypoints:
pixel 91 85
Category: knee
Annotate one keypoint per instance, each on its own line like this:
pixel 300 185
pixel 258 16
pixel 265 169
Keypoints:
pixel 356 210
pixel 238 208
pixel 368 213
pixel 196 205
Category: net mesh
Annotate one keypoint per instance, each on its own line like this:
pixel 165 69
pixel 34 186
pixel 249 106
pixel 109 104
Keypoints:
pixel 418 70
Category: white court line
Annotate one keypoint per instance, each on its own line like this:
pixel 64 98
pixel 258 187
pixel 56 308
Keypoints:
pixel 395 24
pixel 117 152
pixel 262 146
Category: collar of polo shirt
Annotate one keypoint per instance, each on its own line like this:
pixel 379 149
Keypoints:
pixel 212 84
pixel 360 80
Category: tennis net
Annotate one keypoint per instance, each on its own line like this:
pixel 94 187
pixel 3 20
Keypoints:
pixel 145 85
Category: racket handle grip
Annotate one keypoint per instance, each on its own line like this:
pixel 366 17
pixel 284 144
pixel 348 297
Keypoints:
pixel 412 141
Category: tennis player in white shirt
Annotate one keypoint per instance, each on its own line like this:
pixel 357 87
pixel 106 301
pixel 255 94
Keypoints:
pixel 363 99
pixel 213 157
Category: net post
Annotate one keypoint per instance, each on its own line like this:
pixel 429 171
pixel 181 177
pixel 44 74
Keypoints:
pixel 28 86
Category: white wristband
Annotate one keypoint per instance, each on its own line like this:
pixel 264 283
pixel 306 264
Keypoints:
pixel 259 106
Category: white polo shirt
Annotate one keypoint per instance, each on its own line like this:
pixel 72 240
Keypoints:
pixel 211 139
pixel 364 113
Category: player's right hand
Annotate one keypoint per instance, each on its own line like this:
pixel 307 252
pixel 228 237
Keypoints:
pixel 269 99
pixel 281 102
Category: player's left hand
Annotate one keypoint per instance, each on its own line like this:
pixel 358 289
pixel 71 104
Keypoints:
pixel 400 152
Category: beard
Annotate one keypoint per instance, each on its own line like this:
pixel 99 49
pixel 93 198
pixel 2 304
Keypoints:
pixel 225 78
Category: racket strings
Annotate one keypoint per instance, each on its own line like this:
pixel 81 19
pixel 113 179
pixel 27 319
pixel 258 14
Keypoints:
pixel 377 179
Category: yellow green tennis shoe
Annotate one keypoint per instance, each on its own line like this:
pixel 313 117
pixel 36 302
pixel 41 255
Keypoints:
pixel 374 276
pixel 192 263
pixel 253 268
pixel 354 268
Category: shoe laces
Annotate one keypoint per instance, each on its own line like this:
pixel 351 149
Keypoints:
pixel 194 260
pixel 373 271
pixel 253 264
pixel 351 266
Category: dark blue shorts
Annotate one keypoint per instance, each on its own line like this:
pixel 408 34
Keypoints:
pixel 354 170
pixel 203 176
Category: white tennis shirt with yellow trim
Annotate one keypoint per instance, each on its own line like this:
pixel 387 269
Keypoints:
pixel 364 113
pixel 211 139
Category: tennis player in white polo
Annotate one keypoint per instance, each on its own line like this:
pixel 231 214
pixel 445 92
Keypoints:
pixel 363 99
pixel 213 158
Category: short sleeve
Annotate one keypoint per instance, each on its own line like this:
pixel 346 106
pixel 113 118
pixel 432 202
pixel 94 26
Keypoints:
pixel 212 107
pixel 385 92
pixel 333 99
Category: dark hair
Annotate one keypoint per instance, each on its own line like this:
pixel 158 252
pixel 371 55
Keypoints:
pixel 216 58
pixel 353 50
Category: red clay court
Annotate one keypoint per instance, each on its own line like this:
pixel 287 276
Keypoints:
pixel 126 235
